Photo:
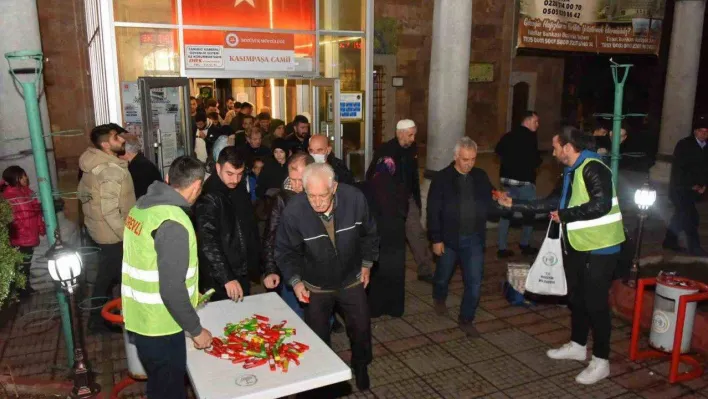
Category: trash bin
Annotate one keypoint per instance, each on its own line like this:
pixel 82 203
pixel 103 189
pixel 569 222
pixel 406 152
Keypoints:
pixel 663 322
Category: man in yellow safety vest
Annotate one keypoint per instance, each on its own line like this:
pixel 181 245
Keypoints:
pixel 589 214
pixel 160 278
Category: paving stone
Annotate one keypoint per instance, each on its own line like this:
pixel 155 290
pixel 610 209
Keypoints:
pixel 554 338
pixel 394 329
pixel 377 350
pixel 537 360
pixel 446 335
pixel 412 388
pixel 509 311
pixel 538 389
pixel 505 372
pixel 497 303
pixel 512 340
pixel 664 390
pixel 639 380
pixel 491 325
pixel 413 305
pixel 555 312
pixel 420 289
pixel 429 322
pixel 388 369
pixel 620 364
pixel 428 359
pixel 540 327
pixel 470 350
pixel 452 300
pixel 479 316
pixel 405 344
pixel 460 382
pixel 602 389
pixel 525 319
pixel 339 342
pixel 695 384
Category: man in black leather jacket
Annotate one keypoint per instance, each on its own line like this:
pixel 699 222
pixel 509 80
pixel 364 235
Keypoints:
pixel 291 187
pixel 592 234
pixel 226 231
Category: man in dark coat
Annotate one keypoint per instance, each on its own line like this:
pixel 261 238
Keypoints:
pixel 518 152
pixel 403 151
pixel 321 150
pixel 459 199
pixel 325 246
pixel 226 230
pixel 689 177
pixel 143 172
pixel 299 138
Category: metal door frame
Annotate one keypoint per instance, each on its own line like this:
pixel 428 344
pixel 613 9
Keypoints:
pixel 336 86
pixel 147 83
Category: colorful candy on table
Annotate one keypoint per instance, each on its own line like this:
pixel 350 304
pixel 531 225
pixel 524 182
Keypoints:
pixel 255 342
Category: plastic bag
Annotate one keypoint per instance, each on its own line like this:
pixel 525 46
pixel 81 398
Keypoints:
pixel 547 276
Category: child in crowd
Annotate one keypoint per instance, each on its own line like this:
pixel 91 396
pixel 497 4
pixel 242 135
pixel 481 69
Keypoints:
pixel 27 222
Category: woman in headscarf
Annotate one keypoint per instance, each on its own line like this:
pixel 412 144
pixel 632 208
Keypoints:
pixel 387 200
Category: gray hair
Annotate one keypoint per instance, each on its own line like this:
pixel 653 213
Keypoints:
pixel 466 143
pixel 318 170
pixel 132 144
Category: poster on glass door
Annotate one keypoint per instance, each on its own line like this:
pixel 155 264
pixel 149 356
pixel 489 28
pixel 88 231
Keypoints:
pixel 240 51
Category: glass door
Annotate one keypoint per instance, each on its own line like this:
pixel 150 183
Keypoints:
pixel 166 121
pixel 326 115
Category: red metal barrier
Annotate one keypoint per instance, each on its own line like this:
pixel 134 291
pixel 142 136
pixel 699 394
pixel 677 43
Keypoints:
pixel 676 356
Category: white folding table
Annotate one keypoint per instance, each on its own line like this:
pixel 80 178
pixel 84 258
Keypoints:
pixel 214 378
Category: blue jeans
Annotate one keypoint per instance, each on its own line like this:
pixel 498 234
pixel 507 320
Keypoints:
pixel 525 192
pixel 470 253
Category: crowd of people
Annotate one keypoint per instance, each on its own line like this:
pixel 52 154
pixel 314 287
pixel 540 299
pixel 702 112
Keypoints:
pixel 264 201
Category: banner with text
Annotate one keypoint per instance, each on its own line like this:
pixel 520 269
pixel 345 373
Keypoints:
pixel 240 51
pixel 598 26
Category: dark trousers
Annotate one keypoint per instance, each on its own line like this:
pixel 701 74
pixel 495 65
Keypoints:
pixel 354 308
pixel 165 362
pixel 685 219
pixel 470 254
pixel 589 279
pixel 27 253
pixel 108 275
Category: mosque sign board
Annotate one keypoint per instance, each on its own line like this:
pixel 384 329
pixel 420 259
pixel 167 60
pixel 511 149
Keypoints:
pixel 597 26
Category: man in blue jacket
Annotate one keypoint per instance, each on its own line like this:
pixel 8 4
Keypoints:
pixel 459 199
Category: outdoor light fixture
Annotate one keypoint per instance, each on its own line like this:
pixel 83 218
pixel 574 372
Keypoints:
pixel 644 197
pixel 65 267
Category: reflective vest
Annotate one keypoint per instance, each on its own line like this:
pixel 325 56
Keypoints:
pixel 603 232
pixel 143 310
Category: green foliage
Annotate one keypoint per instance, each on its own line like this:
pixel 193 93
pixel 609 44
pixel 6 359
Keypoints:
pixel 11 276
pixel 386 30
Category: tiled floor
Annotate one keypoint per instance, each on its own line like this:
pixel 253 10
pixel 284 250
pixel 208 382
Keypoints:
pixel 420 355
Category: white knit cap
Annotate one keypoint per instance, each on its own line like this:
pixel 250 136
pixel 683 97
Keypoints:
pixel 405 124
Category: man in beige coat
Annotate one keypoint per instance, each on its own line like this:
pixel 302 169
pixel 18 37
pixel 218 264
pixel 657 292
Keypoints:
pixel 107 194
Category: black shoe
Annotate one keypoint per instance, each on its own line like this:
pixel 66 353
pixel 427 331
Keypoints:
pixel 528 250
pixel 698 251
pixel 361 375
pixel 505 253
pixel 672 246
pixel 428 278
pixel 469 329
pixel 337 326
pixel 440 307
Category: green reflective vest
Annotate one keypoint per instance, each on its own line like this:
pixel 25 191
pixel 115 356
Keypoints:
pixel 603 232
pixel 143 310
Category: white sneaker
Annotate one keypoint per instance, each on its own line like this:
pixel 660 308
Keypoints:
pixel 569 351
pixel 596 371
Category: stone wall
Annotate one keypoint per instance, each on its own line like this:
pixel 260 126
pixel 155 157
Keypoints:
pixel 66 75
pixel 492 42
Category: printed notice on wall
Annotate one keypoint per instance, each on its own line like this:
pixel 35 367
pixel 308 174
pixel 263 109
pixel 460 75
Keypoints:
pixel 599 26
pixel 204 56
